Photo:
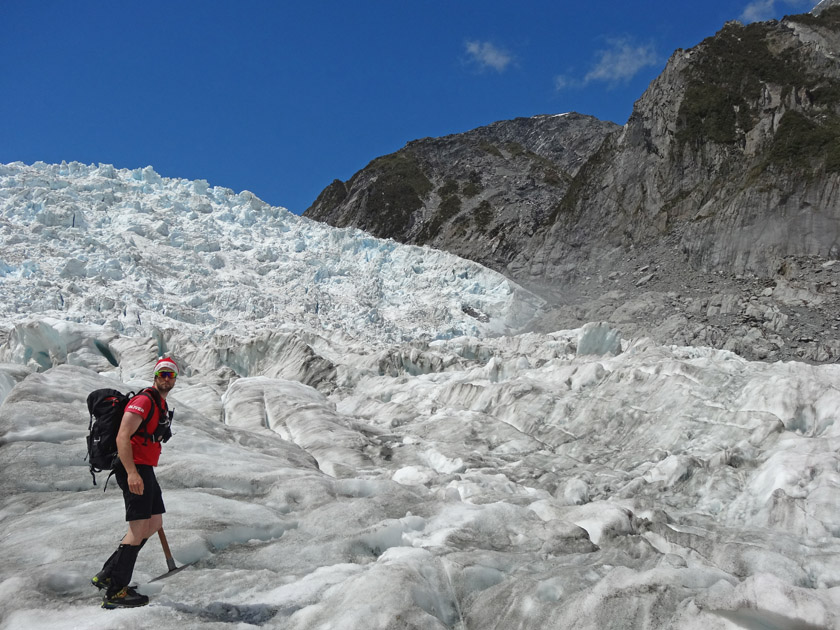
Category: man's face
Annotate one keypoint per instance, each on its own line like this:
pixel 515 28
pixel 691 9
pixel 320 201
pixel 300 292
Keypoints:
pixel 165 380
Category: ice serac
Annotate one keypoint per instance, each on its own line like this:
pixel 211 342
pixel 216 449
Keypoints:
pixel 152 256
pixel 599 338
pixel 300 415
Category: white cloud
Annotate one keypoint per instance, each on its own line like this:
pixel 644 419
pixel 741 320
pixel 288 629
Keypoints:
pixel 561 82
pixel 487 55
pixel 760 10
pixel 621 61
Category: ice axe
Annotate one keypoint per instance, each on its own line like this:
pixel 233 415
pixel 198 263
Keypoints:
pixel 170 561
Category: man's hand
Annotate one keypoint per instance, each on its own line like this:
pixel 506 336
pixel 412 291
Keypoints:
pixel 135 482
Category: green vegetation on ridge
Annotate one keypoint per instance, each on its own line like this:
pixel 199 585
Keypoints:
pixel 801 142
pixel 396 192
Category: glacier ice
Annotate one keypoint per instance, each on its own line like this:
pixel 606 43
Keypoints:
pixel 353 449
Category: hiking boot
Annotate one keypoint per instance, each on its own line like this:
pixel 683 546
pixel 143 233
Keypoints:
pixel 101 580
pixel 125 598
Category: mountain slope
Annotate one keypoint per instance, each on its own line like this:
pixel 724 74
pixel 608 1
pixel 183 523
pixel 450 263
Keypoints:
pixel 711 218
pixel 479 194
pixel 732 153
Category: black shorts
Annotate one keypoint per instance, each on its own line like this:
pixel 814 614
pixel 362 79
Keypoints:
pixel 139 507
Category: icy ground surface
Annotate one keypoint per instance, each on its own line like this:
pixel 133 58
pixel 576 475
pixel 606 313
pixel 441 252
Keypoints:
pixel 361 464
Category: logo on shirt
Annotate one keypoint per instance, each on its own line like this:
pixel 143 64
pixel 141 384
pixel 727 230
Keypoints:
pixel 136 408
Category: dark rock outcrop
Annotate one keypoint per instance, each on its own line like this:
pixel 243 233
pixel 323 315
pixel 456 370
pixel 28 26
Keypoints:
pixel 481 195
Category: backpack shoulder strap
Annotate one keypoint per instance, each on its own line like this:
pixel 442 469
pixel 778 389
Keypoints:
pixel 158 400
pixel 152 394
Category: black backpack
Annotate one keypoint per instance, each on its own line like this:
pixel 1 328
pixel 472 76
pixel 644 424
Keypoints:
pixel 106 407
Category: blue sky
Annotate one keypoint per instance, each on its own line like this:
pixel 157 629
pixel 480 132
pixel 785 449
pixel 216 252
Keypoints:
pixel 280 98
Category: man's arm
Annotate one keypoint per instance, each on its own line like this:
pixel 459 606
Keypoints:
pixel 129 425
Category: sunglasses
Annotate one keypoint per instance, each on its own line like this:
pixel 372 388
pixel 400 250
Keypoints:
pixel 166 374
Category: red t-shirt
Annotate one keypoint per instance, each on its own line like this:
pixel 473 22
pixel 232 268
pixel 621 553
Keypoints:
pixel 146 450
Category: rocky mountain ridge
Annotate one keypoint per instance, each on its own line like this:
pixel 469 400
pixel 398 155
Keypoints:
pixel 478 194
pixel 712 217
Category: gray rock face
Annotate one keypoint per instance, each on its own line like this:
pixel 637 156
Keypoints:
pixel 731 154
pixel 711 218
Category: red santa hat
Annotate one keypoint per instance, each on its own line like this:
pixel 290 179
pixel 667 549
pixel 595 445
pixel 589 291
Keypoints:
pixel 166 364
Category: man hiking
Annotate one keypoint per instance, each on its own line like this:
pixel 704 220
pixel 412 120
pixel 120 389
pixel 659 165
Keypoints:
pixel 145 424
